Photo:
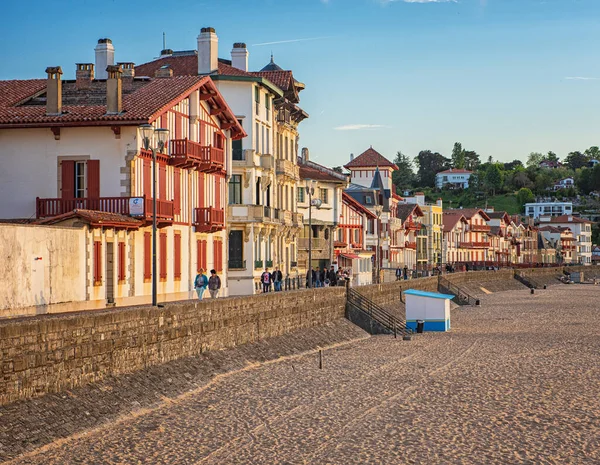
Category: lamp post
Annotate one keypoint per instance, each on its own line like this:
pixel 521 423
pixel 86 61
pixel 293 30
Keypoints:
pixel 310 190
pixel 378 211
pixel 162 135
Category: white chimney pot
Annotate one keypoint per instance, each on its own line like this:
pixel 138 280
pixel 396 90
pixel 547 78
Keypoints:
pixel 208 51
pixel 105 56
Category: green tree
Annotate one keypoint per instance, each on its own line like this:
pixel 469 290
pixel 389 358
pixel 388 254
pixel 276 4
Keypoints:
pixel 512 165
pixel 472 160
pixel 543 181
pixel 494 178
pixel 593 152
pixel 404 177
pixel 589 179
pixel 576 160
pixel 551 156
pixel 534 159
pixel 429 163
pixel 458 156
pixel 524 196
pixel 338 169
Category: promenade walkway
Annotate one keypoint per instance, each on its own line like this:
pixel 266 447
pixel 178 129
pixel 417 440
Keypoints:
pixel 514 382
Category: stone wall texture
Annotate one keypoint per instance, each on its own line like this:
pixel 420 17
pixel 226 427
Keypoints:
pixel 58 352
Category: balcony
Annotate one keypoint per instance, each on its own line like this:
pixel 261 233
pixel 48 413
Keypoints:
pixel 258 264
pixel 46 208
pixel 480 228
pixel 288 169
pixel 267 162
pixel 286 217
pixel 188 154
pixel 209 219
pixel 252 214
pixel 410 245
pixel 269 263
pixel 474 245
pixel 236 264
pixel 298 219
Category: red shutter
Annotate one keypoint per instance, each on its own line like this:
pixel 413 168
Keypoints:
pixel 147 255
pixel 163 255
pixel 198 255
pixel 162 182
pixel 177 256
pixel 218 254
pixel 217 192
pixel 67 179
pixel 204 262
pixel 93 179
pixel 147 178
pixel 177 190
pixel 177 126
pixel 164 121
pixel 97 263
pixel 121 267
pixel 200 190
pixel 201 130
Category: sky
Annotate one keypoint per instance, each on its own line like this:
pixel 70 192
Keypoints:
pixel 503 77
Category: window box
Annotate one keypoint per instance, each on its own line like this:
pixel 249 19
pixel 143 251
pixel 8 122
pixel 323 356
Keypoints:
pixel 258 264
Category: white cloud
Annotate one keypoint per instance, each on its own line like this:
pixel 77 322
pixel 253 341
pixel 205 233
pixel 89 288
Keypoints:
pixel 290 41
pixel 358 127
pixel 581 78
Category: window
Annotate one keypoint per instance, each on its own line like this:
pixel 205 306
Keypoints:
pixel 236 241
pixel 147 256
pixel 80 179
pixel 368 200
pixel 324 193
pixel 163 256
pixel 300 194
pixel 121 263
pixel 257 99
pixel 257 138
pixel 235 189
pixel 97 263
pixel 177 256
pixel 268 107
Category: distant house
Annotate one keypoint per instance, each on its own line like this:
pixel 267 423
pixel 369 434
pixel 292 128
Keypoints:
pixel 593 162
pixel 550 164
pixel 456 178
pixel 565 183
pixel 536 209
pixel 596 255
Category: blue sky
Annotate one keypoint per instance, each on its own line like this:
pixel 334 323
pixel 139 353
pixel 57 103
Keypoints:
pixel 504 77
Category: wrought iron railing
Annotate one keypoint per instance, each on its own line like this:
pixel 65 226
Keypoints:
pixel 376 313
pixel 460 296
pixel 236 264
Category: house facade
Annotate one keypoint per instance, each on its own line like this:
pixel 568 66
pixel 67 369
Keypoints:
pixel 455 227
pixel 454 178
pixel 263 219
pixel 475 245
pixel 79 160
pixel 582 232
pixel 536 209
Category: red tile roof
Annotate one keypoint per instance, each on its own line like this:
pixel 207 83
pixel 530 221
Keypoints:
pixel 96 218
pixel 370 158
pixel 405 210
pixel 282 79
pixel 573 219
pixel 147 100
pixel 451 218
pixel 185 65
pixel 470 212
pixel 324 174
pixel 455 171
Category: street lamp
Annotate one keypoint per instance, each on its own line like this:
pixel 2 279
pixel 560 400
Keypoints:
pixel 310 190
pixel 378 211
pixel 162 135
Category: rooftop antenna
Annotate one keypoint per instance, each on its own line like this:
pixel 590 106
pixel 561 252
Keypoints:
pixel 164 41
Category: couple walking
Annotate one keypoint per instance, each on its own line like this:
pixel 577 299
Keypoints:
pixel 275 278
pixel 202 282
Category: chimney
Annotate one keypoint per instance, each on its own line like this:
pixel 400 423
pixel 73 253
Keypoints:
pixel 351 157
pixel 420 198
pixel 128 74
pixel 84 75
pixel 239 56
pixel 164 72
pixel 305 155
pixel 439 202
pixel 114 91
pixel 54 91
pixel 105 56
pixel 166 52
pixel 208 51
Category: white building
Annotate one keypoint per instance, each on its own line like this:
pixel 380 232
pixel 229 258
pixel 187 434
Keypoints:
pixel 536 209
pixel 582 232
pixel 565 183
pixel 262 216
pixel 453 177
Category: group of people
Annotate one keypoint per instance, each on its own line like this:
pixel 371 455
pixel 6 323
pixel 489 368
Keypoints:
pixel 402 273
pixel 203 282
pixel 275 279
pixel 325 278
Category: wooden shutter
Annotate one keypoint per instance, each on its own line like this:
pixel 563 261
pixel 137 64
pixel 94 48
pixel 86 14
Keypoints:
pixel 177 190
pixel 67 179
pixel 200 190
pixel 147 178
pixel 147 255
pixel 218 254
pixel 178 134
pixel 162 182
pixel 121 266
pixel 199 255
pixel 177 256
pixel 97 263
pixel 93 179
pixel 163 255
pixel 218 192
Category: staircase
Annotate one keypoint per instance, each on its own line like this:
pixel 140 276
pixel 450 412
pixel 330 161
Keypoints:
pixel 527 281
pixel 371 317
pixel 460 296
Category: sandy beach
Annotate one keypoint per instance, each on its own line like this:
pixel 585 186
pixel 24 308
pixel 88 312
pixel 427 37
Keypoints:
pixel 514 382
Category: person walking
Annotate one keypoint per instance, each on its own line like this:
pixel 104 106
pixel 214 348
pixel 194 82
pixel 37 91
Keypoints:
pixel 214 284
pixel 200 283
pixel 405 272
pixel 277 279
pixel 332 277
pixel 317 278
pixel 266 278
pixel 398 273
pixel 323 276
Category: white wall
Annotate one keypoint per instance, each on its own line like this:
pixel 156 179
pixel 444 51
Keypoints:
pixel 32 155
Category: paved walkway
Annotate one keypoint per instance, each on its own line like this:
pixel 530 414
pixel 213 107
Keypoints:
pixel 516 381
